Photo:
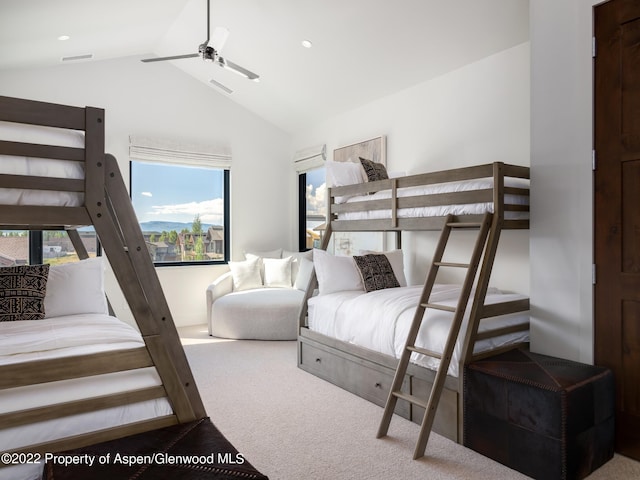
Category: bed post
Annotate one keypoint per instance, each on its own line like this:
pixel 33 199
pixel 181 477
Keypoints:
pixel 116 225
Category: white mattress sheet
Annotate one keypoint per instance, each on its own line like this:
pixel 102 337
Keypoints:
pixel 66 336
pixel 442 210
pixel 15 165
pixel 380 321
pixel 26 340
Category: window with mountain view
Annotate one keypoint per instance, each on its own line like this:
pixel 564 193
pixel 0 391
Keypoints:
pixel 182 210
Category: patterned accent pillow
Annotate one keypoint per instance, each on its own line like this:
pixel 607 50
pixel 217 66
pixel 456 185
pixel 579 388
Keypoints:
pixel 375 171
pixel 22 290
pixel 376 271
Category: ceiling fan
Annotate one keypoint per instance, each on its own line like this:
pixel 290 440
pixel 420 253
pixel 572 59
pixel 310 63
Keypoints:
pixel 209 53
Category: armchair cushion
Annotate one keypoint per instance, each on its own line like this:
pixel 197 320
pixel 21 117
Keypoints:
pixel 258 314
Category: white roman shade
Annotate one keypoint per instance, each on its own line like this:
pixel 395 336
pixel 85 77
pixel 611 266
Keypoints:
pixel 310 158
pixel 167 150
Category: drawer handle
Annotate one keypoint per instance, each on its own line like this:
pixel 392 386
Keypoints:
pixel 378 385
pixel 318 360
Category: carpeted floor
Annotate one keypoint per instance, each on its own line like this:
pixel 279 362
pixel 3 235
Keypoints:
pixel 294 426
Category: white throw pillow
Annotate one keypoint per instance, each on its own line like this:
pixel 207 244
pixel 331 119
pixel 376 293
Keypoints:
pixel 296 258
pixel 396 259
pixel 277 253
pixel 277 272
pixel 246 274
pixel 344 173
pixel 303 277
pixel 74 288
pixel 336 273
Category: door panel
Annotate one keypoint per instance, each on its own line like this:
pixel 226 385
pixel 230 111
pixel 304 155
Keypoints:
pixel 617 210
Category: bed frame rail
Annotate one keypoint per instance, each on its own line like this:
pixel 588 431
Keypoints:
pixel 496 195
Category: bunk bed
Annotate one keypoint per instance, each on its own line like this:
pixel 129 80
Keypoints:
pixel 72 375
pixel 332 343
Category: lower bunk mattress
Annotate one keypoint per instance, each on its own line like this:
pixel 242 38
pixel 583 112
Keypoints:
pixel 68 336
pixel 380 321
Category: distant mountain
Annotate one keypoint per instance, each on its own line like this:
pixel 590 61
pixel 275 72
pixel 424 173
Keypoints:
pixel 163 226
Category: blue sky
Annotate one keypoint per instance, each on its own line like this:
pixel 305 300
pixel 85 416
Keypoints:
pixel 176 193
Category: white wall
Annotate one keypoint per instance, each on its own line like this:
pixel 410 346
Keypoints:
pixel 477 114
pixel 562 210
pixel 159 99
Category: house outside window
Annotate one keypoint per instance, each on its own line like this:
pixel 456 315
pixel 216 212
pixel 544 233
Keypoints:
pixel 21 247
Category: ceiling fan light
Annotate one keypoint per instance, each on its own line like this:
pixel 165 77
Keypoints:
pixel 237 69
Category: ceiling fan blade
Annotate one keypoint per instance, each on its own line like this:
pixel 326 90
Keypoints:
pixel 238 69
pixel 175 57
pixel 219 38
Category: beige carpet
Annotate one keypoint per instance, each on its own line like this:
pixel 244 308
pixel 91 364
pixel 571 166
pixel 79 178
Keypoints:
pixel 294 426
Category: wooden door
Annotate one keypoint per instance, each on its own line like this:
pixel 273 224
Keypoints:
pixel 617 210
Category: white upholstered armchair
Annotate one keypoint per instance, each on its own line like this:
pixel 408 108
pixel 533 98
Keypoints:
pixel 259 298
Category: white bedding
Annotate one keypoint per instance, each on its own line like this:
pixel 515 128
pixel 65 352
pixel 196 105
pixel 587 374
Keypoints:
pixel 66 336
pixel 380 321
pixel 441 210
pixel 15 165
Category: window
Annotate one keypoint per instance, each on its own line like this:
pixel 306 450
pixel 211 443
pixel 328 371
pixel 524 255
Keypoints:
pixel 20 247
pixel 182 210
pixel 312 208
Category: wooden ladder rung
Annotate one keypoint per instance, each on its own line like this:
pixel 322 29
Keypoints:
pixel 424 351
pixel 411 398
pixel 436 306
pixel 464 224
pixel 452 264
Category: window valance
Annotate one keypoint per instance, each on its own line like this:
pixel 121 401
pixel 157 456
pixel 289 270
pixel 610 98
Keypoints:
pixel 310 158
pixel 167 150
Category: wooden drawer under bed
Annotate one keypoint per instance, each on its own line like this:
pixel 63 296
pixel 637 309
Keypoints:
pixel 370 376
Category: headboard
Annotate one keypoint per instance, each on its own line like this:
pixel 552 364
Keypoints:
pixel 374 149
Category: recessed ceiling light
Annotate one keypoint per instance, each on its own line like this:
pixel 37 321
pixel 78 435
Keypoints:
pixel 64 37
pixel 307 43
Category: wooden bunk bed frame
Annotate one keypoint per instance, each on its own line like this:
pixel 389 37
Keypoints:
pixel 370 374
pixel 108 208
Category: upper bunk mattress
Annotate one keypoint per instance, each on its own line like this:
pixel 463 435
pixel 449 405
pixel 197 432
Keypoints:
pixel 40 167
pixel 441 210
pixel 380 320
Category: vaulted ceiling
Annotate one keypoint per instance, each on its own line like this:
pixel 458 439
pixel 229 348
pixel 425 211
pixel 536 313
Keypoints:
pixel 362 49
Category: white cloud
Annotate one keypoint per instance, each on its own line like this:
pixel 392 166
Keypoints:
pixel 146 194
pixel 210 211
pixel 317 201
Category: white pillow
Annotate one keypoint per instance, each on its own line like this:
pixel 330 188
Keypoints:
pixel 277 272
pixel 277 253
pixel 336 273
pixel 339 174
pixel 246 274
pixel 296 258
pixel 76 287
pixel 305 269
pixel 396 259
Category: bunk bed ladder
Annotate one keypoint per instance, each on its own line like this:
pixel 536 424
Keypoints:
pixel 431 404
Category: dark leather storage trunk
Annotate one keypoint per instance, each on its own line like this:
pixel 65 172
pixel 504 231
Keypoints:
pixel 543 416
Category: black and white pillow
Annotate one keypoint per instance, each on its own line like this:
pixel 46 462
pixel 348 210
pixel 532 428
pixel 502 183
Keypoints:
pixel 376 272
pixel 375 171
pixel 22 291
